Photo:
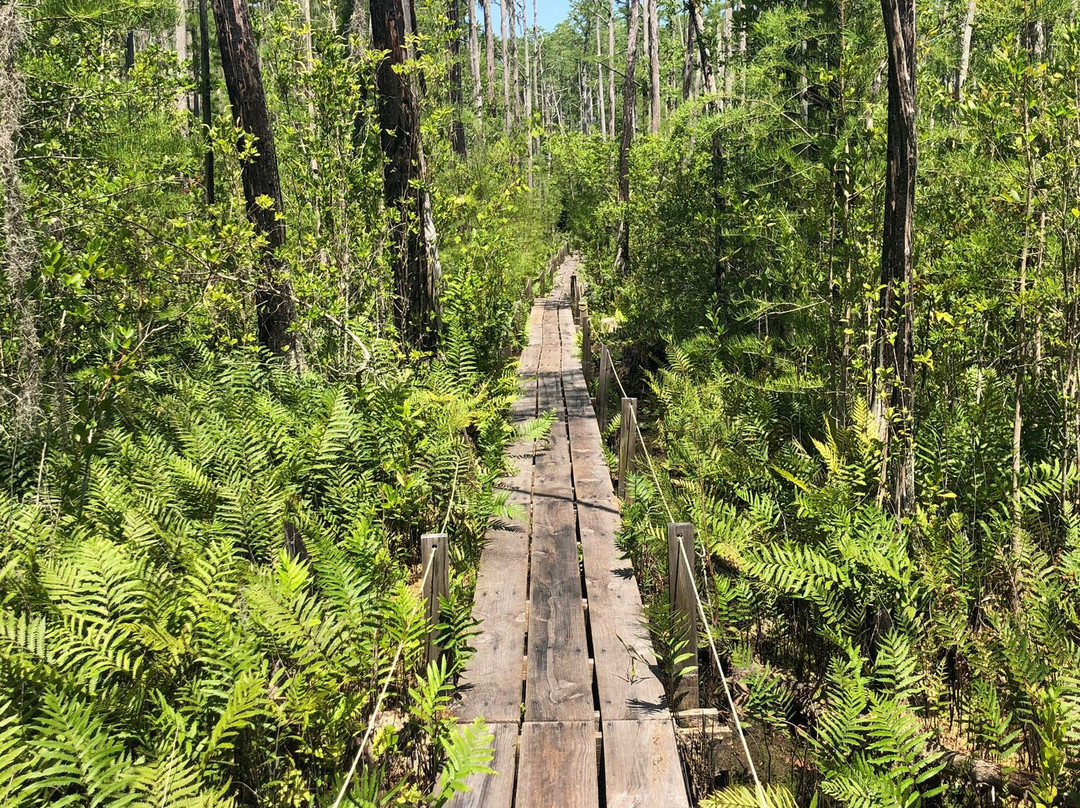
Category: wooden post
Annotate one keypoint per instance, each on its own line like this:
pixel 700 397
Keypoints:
pixel 683 610
pixel 574 296
pixel 586 344
pixel 627 442
pixel 603 387
pixel 529 289
pixel 436 585
pixel 294 542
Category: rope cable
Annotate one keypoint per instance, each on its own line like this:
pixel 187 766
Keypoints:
pixel 758 789
pixel 382 694
pixel 727 688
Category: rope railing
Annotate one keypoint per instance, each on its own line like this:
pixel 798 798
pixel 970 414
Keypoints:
pixel 431 563
pixel 630 421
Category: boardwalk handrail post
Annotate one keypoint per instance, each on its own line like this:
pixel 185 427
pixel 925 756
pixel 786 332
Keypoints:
pixel 603 387
pixel 436 585
pixel 627 442
pixel 574 296
pixel 586 343
pixel 684 614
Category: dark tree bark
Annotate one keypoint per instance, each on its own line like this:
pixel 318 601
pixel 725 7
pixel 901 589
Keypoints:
pixel 894 371
pixel 414 254
pixel 689 68
pixel 720 260
pixel 274 303
pixel 697 26
pixel 622 247
pixel 205 110
pixel 457 128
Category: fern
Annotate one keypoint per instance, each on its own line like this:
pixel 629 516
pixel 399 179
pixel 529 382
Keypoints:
pixel 468 750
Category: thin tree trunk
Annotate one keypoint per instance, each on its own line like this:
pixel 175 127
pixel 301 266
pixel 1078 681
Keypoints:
pixel 274 303
pixel 894 368
pixel 689 67
pixel 704 57
pixel 515 83
pixel 537 65
pixel 309 47
pixel 622 248
pixel 474 61
pixel 457 128
pixel 504 28
pixel 186 102
pixel 611 69
pixel 600 79
pixel 414 255
pixel 489 54
pixel 965 51
pixel 728 46
pixel 652 38
pixel 205 109
pixel 528 100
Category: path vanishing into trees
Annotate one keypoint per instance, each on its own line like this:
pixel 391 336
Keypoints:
pixel 564 672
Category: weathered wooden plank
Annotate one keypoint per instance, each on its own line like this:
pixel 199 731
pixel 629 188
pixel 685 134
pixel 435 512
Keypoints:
pixel 558 766
pixel 641 765
pixel 493 790
pixel 626 672
pixel 558 680
pixel 490 686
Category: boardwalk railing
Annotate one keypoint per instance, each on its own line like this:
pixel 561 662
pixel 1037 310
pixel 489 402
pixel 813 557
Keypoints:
pixel 686 603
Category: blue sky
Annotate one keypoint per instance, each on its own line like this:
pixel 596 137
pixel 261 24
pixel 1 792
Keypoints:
pixel 550 12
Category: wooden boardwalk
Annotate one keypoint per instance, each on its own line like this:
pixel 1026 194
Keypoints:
pixel 564 673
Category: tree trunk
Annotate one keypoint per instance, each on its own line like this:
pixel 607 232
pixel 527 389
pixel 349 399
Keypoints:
pixel 622 247
pixel 965 51
pixel 611 68
pixel 504 29
pixel 489 54
pixel 728 46
pixel 528 96
pixel 704 57
pixel 515 82
pixel 474 61
pixel 354 27
pixel 534 44
pixel 186 102
pixel 274 303
pixel 894 373
pixel 457 128
pixel 205 109
pixel 689 73
pixel 414 255
pixel 18 255
pixel 600 79
pixel 652 38
pixel 719 246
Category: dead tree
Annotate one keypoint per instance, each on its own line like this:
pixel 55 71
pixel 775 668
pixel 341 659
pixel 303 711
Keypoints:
pixel 274 304
pixel 894 372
